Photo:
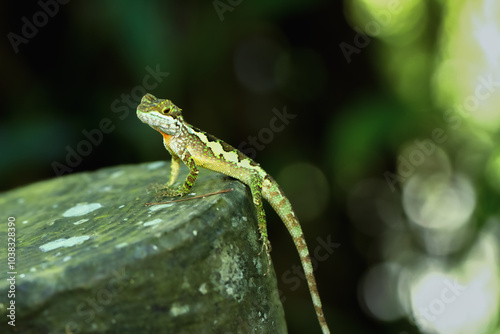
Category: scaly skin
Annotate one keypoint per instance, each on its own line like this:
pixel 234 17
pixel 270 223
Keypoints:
pixel 196 148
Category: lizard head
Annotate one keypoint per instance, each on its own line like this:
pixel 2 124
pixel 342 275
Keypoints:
pixel 161 114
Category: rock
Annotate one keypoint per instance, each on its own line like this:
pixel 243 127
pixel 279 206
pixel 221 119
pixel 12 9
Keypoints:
pixel 92 258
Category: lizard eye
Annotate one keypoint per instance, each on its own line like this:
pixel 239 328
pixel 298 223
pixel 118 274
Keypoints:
pixel 166 111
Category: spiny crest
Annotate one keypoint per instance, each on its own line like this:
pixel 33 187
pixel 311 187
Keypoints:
pixel 150 103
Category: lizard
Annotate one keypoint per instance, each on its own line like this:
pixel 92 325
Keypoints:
pixel 196 148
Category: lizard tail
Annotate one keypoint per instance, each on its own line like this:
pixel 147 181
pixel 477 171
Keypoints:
pixel 280 203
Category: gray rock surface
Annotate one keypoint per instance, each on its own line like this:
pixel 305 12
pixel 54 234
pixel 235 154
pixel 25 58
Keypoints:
pixel 92 258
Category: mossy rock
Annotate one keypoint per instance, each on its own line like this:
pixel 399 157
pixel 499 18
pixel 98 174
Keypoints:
pixel 92 258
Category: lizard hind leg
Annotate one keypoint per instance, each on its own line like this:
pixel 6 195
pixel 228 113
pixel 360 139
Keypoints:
pixel 256 189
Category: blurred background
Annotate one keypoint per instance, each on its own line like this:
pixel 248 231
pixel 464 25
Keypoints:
pixel 379 118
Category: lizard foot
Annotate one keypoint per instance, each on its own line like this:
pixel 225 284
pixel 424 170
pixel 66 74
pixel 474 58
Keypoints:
pixel 165 191
pixel 266 245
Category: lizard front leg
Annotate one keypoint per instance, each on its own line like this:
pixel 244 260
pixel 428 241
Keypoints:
pixel 168 191
pixel 174 170
pixel 256 190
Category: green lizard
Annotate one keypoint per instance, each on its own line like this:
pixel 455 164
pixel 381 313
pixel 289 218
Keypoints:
pixel 198 149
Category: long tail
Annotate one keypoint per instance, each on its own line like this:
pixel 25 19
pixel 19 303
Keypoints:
pixel 275 196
